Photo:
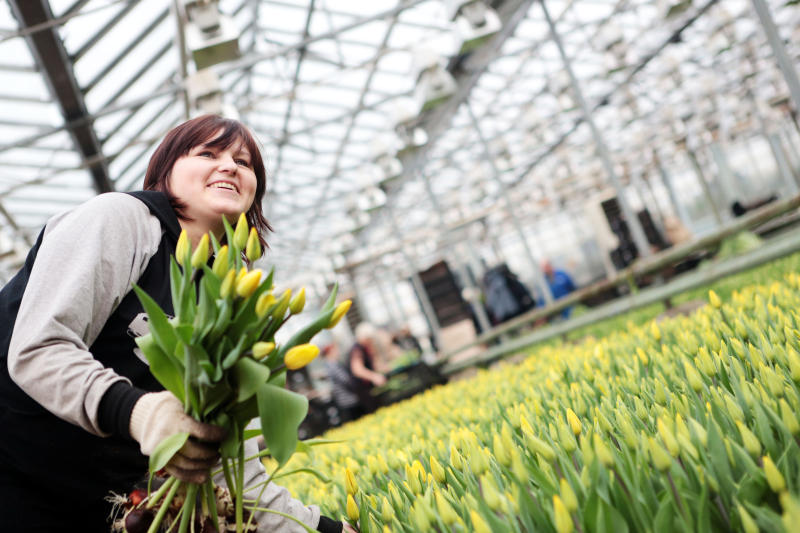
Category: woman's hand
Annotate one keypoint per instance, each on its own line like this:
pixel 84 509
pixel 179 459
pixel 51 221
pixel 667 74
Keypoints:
pixel 347 528
pixel 156 416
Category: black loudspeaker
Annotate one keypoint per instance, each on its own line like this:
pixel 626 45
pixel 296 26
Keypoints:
pixel 444 294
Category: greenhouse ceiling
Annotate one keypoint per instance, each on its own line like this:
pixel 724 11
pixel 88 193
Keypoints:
pixel 389 127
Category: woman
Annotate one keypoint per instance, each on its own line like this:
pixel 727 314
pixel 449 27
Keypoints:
pixel 79 408
pixel 363 363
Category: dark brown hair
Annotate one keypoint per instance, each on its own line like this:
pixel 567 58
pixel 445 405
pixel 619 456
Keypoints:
pixel 215 132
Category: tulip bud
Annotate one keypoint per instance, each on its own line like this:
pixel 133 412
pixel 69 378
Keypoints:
pixel 773 475
pixel 298 302
pixel 263 304
pixel 350 481
pixel 661 459
pixel 248 284
pixel 714 300
pixel 253 246
pixel 299 356
pixel 220 266
pixel 338 313
pixel 352 509
pixel 602 451
pixel 788 417
pixel 479 525
pixel 562 519
pixel 182 249
pixel 748 524
pixel 437 470
pixel 387 511
pixel 446 511
pixel 574 422
pixel 227 284
pixel 240 234
pixel 262 349
pixel 395 494
pixel 200 255
pixel 568 496
pixel 749 440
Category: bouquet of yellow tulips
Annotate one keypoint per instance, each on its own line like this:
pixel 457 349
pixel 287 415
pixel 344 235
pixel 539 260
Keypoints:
pixel 218 355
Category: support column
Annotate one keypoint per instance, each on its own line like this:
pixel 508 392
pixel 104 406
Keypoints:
pixel 630 217
pixel 666 179
pixel 480 312
pixel 781 56
pixel 419 288
pixel 535 268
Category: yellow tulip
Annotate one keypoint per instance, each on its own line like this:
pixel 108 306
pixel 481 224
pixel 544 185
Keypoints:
pixel 748 524
pixel 446 511
pixel 749 440
pixel 714 300
pixel 350 481
pixel 240 233
pixel 253 246
pixel 200 255
pixel 182 248
pixel 220 266
pixel 248 284
pixel 437 470
pixel 773 475
pixel 298 302
pixel 574 422
pixel 300 355
pixel 227 284
pixel 338 313
pixel 661 459
pixel 562 519
pixel 479 525
pixel 262 349
pixel 568 496
pixel 352 509
pixel 387 511
pixel 263 304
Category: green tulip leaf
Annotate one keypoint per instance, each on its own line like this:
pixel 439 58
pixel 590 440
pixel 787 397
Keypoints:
pixel 165 450
pixel 281 412
pixel 249 375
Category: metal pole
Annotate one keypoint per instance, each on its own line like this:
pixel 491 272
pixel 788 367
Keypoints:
pixel 180 44
pixel 537 272
pixel 419 288
pixel 781 56
pixel 480 312
pixel 633 221
pixel 389 308
pixel 704 184
pixel 666 179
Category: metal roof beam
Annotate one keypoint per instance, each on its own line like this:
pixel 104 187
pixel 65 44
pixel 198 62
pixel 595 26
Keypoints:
pixel 48 49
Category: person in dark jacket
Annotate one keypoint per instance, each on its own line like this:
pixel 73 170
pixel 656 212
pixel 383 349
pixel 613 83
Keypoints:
pixel 79 408
pixel 364 364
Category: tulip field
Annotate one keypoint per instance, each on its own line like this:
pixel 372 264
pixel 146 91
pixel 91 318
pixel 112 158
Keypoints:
pixel 688 424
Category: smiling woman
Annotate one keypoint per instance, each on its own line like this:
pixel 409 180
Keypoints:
pixel 208 167
pixel 80 410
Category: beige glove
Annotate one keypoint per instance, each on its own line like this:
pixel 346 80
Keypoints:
pixel 156 416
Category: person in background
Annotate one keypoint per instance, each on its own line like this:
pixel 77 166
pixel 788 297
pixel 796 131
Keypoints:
pixel 79 408
pixel 560 284
pixel 363 363
pixel 342 385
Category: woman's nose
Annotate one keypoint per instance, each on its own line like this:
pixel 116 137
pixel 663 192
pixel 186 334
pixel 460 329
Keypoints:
pixel 227 163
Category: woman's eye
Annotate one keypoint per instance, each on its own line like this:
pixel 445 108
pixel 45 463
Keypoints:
pixel 206 153
pixel 243 162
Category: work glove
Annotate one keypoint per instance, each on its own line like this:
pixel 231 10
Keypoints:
pixel 156 416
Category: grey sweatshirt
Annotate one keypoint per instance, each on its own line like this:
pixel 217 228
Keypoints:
pixel 86 264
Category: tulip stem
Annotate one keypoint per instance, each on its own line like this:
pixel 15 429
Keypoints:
pixel 575 462
pixel 722 511
pixel 578 527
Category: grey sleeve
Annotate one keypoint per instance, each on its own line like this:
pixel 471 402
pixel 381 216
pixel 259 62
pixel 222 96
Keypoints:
pixel 274 497
pixel 86 263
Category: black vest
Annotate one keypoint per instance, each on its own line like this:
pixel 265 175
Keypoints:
pixel 38 446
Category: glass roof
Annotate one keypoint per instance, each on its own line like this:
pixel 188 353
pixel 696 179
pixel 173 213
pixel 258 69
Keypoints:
pixel 358 169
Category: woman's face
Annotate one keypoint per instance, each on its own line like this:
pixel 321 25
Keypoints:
pixel 213 182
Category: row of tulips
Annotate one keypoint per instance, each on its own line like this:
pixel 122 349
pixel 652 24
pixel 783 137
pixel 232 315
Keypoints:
pixel 690 424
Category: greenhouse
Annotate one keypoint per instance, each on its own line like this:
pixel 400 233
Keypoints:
pixel 541 261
